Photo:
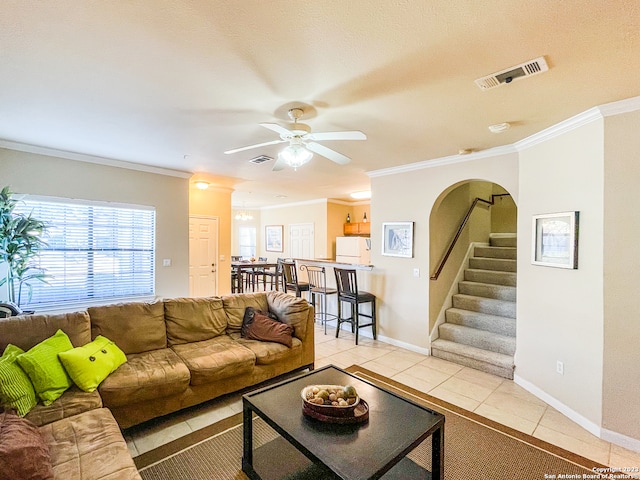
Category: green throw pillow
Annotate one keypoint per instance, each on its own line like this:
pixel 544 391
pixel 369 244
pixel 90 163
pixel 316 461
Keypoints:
pixel 45 370
pixel 16 390
pixel 90 364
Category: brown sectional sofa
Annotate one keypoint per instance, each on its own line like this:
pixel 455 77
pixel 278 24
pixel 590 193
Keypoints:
pixel 180 352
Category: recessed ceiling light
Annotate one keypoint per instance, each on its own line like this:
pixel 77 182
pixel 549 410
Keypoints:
pixel 279 196
pixel 361 195
pixel 499 127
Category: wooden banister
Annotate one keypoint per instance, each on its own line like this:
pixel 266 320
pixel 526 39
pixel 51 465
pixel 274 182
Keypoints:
pixel 460 229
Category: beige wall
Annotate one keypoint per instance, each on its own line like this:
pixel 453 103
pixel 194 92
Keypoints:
pixel 308 212
pixel 216 202
pixel 404 299
pixel 58 177
pixel 504 213
pixel 559 311
pixel 621 378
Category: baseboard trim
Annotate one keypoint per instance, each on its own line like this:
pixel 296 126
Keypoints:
pixel 561 407
pixel 629 443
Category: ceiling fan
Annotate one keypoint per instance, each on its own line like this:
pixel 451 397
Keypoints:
pixel 302 143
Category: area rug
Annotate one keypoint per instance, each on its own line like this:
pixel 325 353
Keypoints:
pixel 475 447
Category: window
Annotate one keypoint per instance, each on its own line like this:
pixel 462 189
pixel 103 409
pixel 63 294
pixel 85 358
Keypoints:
pixel 96 251
pixel 247 241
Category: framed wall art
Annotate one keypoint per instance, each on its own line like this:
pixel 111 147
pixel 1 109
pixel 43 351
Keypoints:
pixel 273 238
pixel 397 239
pixel 555 240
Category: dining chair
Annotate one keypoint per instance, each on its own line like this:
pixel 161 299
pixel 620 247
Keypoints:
pixel 318 287
pixel 347 285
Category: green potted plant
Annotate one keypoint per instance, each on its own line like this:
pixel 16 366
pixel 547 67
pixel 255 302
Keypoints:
pixel 21 239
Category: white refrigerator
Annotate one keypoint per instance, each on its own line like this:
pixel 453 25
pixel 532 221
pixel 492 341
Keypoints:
pixel 356 250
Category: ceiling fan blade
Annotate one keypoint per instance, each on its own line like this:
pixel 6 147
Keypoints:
pixel 279 165
pixel 241 149
pixel 351 135
pixel 277 128
pixel 326 152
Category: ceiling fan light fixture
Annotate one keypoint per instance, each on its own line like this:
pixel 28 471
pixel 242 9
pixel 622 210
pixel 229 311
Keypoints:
pixel 295 155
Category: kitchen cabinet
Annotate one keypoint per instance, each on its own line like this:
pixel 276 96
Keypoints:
pixel 357 228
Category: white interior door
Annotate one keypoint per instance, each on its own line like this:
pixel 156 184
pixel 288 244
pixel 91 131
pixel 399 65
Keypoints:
pixel 203 256
pixel 301 240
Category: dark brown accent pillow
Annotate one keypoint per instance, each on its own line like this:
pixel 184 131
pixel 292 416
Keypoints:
pixel 23 453
pixel 258 326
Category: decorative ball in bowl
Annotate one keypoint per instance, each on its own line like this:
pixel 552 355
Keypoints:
pixel 331 400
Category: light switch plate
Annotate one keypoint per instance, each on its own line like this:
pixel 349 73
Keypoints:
pixel 416 272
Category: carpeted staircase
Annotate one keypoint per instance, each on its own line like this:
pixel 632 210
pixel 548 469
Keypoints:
pixel 480 328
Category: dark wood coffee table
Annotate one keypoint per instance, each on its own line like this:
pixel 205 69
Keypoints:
pixel 310 449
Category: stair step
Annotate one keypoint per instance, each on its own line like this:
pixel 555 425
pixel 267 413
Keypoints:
pixel 490 276
pixel 498 264
pixel 488 290
pixel 503 240
pixel 496 252
pixel 482 321
pixel 478 338
pixel 491 306
pixel 490 362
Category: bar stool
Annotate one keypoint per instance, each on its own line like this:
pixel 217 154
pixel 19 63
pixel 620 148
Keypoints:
pixel 347 283
pixel 318 286
pixel 290 280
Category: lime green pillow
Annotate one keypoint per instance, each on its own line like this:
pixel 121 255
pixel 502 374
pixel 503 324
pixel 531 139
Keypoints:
pixel 16 390
pixel 90 364
pixel 49 378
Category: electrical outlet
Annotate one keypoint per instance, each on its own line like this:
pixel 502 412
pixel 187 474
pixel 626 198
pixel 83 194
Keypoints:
pixel 166 262
pixel 560 367
pixel 416 272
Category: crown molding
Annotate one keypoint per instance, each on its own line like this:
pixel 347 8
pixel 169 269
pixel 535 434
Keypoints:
pixel 439 162
pixel 620 107
pixel 82 157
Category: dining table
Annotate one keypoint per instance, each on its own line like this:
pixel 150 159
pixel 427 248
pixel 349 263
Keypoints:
pixel 244 267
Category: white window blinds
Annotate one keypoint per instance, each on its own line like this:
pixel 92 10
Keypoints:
pixel 95 252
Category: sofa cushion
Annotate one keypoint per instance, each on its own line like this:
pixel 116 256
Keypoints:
pixel 90 364
pixel 89 446
pixel 72 402
pixel 258 326
pixel 269 352
pixel 44 368
pixel 23 451
pixel 25 331
pixel 135 327
pixel 16 390
pixel 147 375
pixel 235 306
pixel 194 319
pixel 292 310
pixel 215 359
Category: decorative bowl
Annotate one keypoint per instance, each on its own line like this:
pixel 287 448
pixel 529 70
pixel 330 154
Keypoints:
pixel 327 409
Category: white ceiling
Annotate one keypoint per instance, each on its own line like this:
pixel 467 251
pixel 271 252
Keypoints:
pixel 175 83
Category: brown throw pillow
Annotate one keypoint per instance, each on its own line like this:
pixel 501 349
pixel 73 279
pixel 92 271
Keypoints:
pixel 23 453
pixel 258 326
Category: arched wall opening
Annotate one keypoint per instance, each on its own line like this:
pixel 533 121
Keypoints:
pixel 447 214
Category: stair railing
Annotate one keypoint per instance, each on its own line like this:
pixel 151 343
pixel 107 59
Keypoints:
pixel 460 229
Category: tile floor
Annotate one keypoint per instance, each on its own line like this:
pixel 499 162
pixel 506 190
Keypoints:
pixel 492 397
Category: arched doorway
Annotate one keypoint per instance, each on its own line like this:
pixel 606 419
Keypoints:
pixel 472 290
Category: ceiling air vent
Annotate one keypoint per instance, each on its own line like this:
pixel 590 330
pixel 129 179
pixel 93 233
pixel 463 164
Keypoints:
pixel 510 74
pixel 260 159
